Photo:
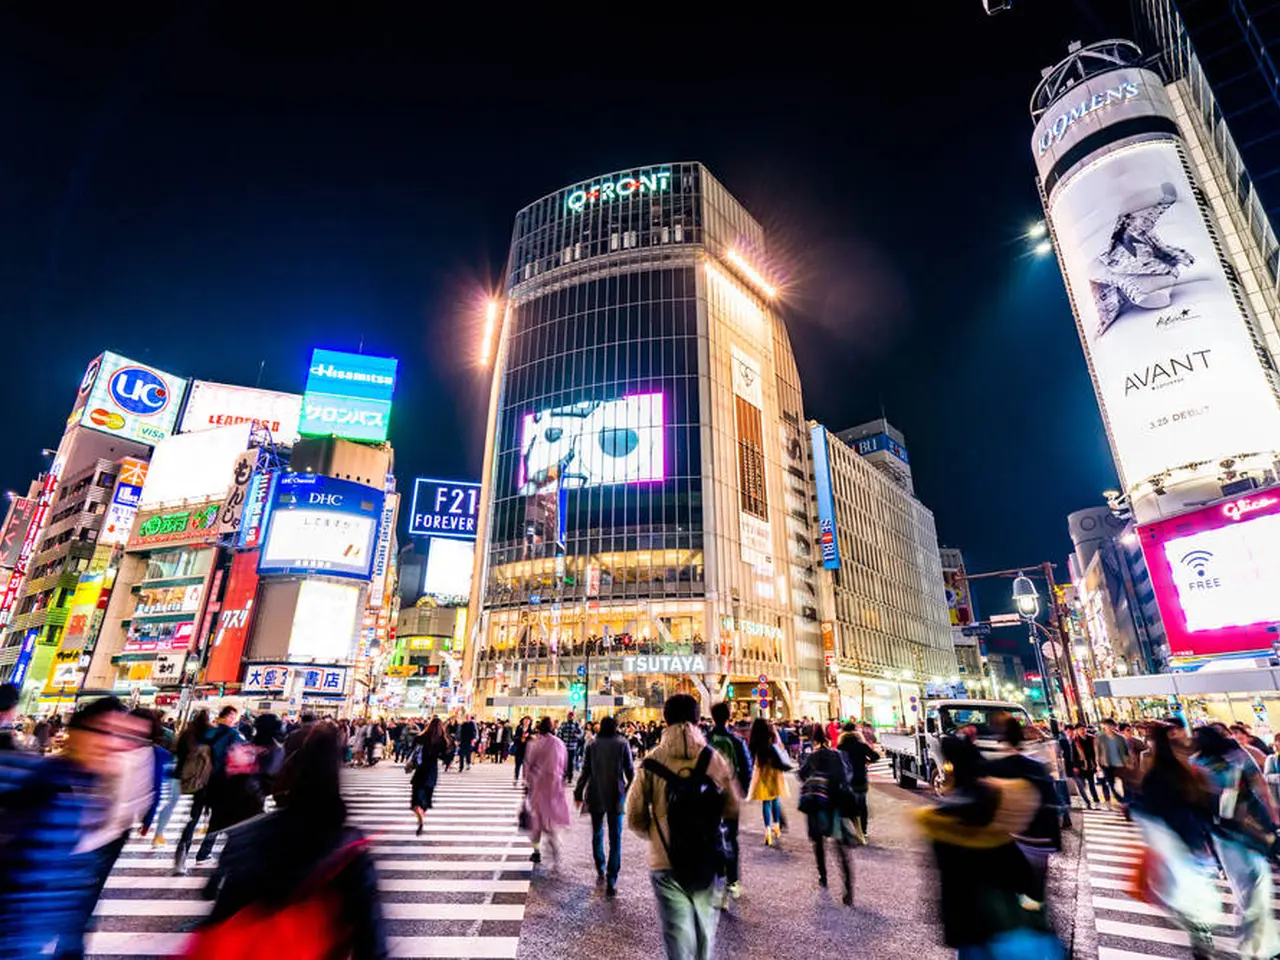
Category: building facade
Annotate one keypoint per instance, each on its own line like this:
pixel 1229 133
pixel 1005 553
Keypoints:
pixel 645 489
pixel 1173 301
pixel 882 586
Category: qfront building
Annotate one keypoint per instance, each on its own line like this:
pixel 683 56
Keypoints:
pixel 644 515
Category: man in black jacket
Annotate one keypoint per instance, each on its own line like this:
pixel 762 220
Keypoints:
pixel 859 754
pixel 467 734
pixel 606 776
pixel 734 751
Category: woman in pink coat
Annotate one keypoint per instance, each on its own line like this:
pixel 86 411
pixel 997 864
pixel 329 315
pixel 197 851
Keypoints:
pixel 544 762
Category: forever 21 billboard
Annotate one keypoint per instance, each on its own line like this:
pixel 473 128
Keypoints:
pixel 321 525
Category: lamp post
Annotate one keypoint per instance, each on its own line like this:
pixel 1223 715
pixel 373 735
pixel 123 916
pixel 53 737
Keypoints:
pixel 1027 601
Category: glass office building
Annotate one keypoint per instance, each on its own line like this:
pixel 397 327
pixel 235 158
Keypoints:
pixel 645 509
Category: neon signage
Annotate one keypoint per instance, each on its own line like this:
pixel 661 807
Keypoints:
pixel 657 182
pixel 1238 508
pixel 1122 92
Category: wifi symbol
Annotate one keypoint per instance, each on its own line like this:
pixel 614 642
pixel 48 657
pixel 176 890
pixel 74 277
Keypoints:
pixel 1197 560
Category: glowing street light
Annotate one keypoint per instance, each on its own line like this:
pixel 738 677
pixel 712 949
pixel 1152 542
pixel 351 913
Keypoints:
pixel 1042 249
pixel 490 321
pixel 752 274
pixel 1025 597
pixel 1037 230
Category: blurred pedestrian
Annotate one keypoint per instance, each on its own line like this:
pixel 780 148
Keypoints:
pixel 1043 835
pixel 300 868
pixel 606 776
pixel 678 801
pixel 165 771
pixel 428 750
pixel 983 875
pixel 204 769
pixel 825 800
pixel 859 754
pixel 519 741
pixel 768 783
pixel 545 760
pixel 468 734
pixel 60 831
pixel 1113 757
pixel 9 695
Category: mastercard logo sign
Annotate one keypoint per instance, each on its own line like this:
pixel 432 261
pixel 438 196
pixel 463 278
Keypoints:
pixel 106 418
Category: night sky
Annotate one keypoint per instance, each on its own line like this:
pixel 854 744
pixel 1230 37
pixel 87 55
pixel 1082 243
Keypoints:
pixel 216 192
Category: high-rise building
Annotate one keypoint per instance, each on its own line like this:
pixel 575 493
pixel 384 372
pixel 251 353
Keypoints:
pixel 1172 296
pixel 884 447
pixel 645 498
pixel 966 633
pixel 886 624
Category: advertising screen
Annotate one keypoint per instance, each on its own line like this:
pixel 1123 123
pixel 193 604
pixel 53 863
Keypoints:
pixel 593 443
pixel 234 621
pixel 445 508
pixel 131 400
pixel 15 529
pixel 1176 368
pixel 321 525
pixel 829 541
pixel 193 466
pixel 348 395
pixel 211 405
pixel 324 624
pixel 1215 572
pixel 118 523
pixel 753 497
pixel 448 577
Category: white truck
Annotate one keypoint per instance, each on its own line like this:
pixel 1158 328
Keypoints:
pixel 917 755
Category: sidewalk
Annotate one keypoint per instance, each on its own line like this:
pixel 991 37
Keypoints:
pixel 782 913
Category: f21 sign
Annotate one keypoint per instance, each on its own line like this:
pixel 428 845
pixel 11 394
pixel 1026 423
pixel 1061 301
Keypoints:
pixel 445 508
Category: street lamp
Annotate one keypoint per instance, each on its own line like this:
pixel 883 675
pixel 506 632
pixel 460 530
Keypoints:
pixel 1025 597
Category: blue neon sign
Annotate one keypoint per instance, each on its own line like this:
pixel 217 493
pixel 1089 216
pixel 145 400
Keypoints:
pixel 321 525
pixel 445 508
pixel 348 395
pixel 827 534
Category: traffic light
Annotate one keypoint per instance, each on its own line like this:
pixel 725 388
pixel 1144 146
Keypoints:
pixel 576 691
pixel 728 693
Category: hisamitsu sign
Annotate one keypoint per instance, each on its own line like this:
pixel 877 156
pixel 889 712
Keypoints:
pixel 445 508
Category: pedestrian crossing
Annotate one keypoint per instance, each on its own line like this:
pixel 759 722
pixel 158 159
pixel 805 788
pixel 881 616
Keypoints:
pixel 880 772
pixel 459 890
pixel 1129 929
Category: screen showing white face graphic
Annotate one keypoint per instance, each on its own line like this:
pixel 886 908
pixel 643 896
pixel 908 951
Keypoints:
pixel 1222 576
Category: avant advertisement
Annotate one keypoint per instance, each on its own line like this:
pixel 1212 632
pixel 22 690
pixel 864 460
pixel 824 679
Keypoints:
pixel 1176 368
pixel 321 525
pixel 211 405
pixel 753 498
pixel 593 443
pixel 1214 572
pixel 131 400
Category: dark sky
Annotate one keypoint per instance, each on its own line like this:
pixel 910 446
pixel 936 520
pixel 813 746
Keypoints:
pixel 213 188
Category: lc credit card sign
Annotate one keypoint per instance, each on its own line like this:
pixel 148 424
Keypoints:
pixel 130 400
pixel 348 395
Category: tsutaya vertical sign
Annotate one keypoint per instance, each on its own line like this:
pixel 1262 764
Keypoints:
pixel 618 187
pixel 753 498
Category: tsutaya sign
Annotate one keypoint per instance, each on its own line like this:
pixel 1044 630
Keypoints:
pixel 657 181
pixel 693 663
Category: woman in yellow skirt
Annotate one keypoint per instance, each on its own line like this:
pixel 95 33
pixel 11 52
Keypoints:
pixel 768 783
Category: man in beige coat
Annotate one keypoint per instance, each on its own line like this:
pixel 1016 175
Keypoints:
pixel 688 916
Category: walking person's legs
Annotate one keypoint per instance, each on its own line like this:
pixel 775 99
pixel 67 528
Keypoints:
pixel 820 857
pixel 597 842
pixel 615 851
pixel 198 806
pixel 732 866
pixel 168 801
pixel 688 919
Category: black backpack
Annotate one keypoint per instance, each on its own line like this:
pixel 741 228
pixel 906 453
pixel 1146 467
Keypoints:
pixel 695 805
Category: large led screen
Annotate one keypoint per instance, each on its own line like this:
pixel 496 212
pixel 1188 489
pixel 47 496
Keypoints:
pixel 1215 572
pixel 593 443
pixel 449 567
pixel 324 624
pixel 321 525
pixel 1177 371
pixel 348 395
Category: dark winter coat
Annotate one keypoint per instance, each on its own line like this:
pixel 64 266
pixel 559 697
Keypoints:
pixel 606 776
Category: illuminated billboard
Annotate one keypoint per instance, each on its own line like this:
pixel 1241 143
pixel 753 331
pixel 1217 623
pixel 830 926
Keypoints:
pixel 755 533
pixel 1214 573
pixel 194 466
pixel 118 523
pixel 130 400
pixel 594 443
pixel 234 620
pixel 211 405
pixel 445 508
pixel 829 540
pixel 321 525
pixel 15 530
pixel 324 621
pixel 1179 373
pixel 348 395
pixel 448 576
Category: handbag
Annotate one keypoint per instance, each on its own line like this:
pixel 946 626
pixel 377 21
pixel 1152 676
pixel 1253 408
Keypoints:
pixel 309 923
pixel 815 793
pixel 524 820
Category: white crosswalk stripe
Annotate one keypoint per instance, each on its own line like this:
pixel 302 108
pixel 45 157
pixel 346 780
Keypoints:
pixel 1129 929
pixel 880 772
pixel 458 890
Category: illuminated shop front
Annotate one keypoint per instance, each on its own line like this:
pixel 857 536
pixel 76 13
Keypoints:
pixel 644 423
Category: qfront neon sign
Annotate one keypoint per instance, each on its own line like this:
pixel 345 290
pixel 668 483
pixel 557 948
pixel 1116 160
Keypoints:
pixel 656 182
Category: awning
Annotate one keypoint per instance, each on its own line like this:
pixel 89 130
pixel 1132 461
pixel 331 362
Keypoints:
pixel 1199 683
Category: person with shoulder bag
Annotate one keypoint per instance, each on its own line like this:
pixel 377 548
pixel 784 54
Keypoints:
pixel 768 783
pixel 298 879
pixel 826 800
